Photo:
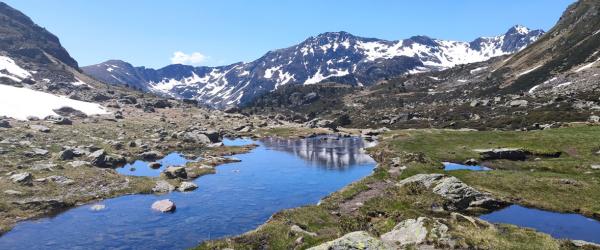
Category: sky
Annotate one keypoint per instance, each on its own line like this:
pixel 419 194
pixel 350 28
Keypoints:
pixel 155 33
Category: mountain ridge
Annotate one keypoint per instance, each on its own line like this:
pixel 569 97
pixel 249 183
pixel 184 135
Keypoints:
pixel 333 56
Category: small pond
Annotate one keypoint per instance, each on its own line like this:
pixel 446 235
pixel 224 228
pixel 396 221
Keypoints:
pixel 142 168
pixel 279 174
pixel 559 225
pixel 448 166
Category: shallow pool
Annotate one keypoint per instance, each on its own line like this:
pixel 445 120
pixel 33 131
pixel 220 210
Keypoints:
pixel 279 174
pixel 559 225
pixel 449 166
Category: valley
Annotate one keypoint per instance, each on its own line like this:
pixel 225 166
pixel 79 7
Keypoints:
pixel 338 142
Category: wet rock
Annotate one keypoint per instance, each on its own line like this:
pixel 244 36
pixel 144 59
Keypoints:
pixel 163 187
pixel 187 186
pixel 98 207
pixel 40 128
pixel 154 165
pixel 458 195
pixel 175 172
pixel 22 178
pixel 163 206
pixel 354 240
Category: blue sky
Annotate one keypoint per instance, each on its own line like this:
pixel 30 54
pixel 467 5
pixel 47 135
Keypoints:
pixel 148 33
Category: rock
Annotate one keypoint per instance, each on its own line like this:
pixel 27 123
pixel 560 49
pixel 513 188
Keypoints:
pixel 194 137
pixel 163 206
pixel 98 158
pixel 595 167
pixel 582 244
pixel 518 103
pixel 154 165
pixel 66 155
pixel 354 241
pixel 163 187
pixel 175 172
pixel 78 164
pixel 298 229
pixel 459 196
pixel 36 152
pixel 513 154
pixel 471 162
pixel 40 128
pixel 13 192
pixel 70 112
pixel 594 119
pixel 59 120
pixel 5 124
pixel 187 186
pixel 151 155
pixel 418 231
pixel 61 180
pixel 98 207
pixel 22 178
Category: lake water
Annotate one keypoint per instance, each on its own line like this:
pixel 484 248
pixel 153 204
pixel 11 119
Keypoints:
pixel 277 175
pixel 559 225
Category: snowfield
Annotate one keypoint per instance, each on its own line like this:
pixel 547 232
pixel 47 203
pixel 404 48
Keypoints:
pixel 19 103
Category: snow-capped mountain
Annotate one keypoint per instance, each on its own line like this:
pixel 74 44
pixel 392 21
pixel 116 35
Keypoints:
pixel 334 56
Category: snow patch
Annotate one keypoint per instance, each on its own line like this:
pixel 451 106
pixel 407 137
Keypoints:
pixel 19 103
pixel 15 72
pixel 529 70
pixel 587 66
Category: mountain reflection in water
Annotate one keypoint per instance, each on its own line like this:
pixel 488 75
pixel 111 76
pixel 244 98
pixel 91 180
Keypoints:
pixel 325 151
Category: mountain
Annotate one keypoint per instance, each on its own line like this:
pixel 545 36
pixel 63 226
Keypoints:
pixel 29 53
pixel 335 57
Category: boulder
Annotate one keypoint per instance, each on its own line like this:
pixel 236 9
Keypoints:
pixel 22 178
pixel 151 155
pixel 69 112
pixel 59 120
pixel 40 128
pixel 187 186
pixel 471 162
pixel 354 240
pixel 5 124
pixel 518 103
pixel 175 172
pixel 298 229
pixel 163 187
pixel 36 152
pixel 420 232
pixel 458 195
pixel 513 154
pixel 154 165
pixel 98 158
pixel 594 119
pixel 196 137
pixel 66 154
pixel 163 206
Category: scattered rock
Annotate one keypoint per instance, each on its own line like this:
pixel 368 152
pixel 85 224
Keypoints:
pixel 459 195
pixel 354 240
pixel 78 164
pixel 163 187
pixel 49 167
pixel 98 158
pixel 518 103
pixel 175 172
pixel 70 112
pixel 187 186
pixel 22 178
pixel 163 206
pixel 36 152
pixel 513 154
pixel 61 180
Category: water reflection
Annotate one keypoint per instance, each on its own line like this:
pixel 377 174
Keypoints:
pixel 325 151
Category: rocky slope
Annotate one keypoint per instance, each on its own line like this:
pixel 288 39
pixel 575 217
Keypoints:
pixel 336 56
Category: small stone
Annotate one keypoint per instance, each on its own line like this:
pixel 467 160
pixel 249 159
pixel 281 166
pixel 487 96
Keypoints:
pixel 163 206
pixel 187 186
pixel 22 178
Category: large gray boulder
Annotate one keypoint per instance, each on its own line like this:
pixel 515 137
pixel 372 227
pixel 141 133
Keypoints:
pixel 22 178
pixel 418 232
pixel 354 241
pixel 459 196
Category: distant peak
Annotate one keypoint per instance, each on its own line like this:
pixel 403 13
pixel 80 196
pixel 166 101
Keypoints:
pixel 519 29
pixel 338 34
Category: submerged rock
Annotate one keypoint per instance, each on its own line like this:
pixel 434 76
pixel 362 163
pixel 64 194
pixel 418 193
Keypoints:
pixel 163 206
pixel 354 240
pixel 459 196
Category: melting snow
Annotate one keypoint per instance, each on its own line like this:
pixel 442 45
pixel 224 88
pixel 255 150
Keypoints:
pixel 563 84
pixel 19 103
pixel 477 70
pixel 587 66
pixel 15 72
pixel 529 70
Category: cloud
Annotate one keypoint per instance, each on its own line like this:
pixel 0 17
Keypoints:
pixel 195 58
